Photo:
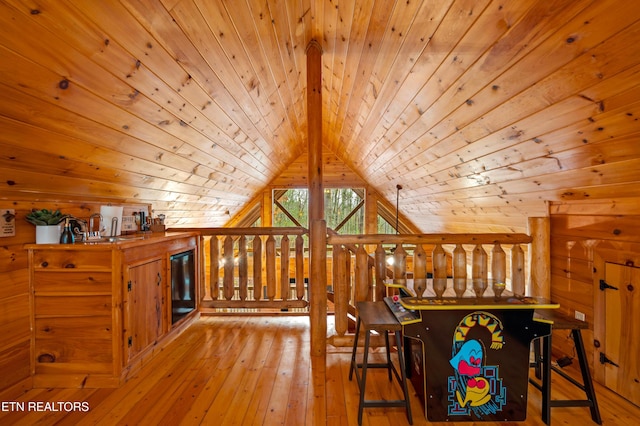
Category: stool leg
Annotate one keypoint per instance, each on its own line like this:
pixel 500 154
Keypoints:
pixel 386 342
pixel 586 376
pixel 363 385
pixel 546 379
pixel 355 347
pixel 403 374
pixel 536 358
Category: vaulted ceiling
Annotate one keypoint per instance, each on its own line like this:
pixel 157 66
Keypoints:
pixel 484 111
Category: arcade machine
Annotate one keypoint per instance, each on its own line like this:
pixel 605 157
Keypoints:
pixel 468 358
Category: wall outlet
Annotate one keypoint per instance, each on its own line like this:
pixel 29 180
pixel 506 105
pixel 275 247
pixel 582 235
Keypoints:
pixel 580 316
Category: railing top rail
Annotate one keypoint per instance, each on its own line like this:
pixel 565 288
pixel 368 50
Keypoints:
pixel 293 230
pixel 429 239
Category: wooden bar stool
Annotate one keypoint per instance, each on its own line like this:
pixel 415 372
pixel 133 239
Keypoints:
pixel 543 367
pixel 376 316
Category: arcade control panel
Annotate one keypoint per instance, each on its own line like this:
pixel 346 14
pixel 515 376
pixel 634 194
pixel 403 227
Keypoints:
pixel 403 315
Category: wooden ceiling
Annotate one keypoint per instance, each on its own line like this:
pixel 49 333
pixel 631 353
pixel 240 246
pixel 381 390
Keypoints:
pixel 484 111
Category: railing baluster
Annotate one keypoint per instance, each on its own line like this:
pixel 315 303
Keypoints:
pixel 381 272
pixel 517 270
pixel 400 265
pixel 242 267
pixel 299 267
pixel 459 270
pixel 340 289
pixel 227 280
pixel 439 259
pixel 479 270
pixel 284 267
pixel 419 271
pixel 498 269
pixel 257 268
pixel 271 267
pixel 362 274
pixel 214 274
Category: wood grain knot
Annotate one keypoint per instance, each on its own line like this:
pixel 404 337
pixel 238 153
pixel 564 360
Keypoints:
pixel 46 358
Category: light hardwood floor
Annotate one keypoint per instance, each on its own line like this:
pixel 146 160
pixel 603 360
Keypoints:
pixel 257 371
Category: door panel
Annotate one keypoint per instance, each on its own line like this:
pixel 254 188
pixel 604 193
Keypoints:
pixel 622 328
pixel 143 306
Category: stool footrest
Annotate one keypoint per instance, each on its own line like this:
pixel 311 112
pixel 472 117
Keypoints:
pixel 371 403
pixel 571 403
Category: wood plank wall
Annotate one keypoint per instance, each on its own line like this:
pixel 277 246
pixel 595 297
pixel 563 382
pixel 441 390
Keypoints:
pixel 583 234
pixel 14 289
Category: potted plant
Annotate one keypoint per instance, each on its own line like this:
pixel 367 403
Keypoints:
pixel 47 224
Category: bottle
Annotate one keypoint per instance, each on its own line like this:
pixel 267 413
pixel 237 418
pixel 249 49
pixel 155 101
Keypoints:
pixel 67 235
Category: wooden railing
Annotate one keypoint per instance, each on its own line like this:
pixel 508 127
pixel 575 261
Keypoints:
pixel 429 265
pixel 254 268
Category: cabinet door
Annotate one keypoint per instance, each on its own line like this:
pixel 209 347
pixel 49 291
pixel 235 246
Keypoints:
pixel 622 340
pixel 144 310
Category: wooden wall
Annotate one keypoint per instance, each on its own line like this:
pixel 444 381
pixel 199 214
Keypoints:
pixel 583 235
pixel 14 289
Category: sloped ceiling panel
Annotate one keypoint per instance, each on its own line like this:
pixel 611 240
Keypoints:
pixel 484 111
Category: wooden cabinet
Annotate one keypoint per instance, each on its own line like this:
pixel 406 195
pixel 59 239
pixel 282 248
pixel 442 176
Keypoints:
pixel 143 306
pixel 99 310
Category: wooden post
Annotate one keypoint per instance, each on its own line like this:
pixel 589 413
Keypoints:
pixel 318 285
pixel 540 232
pixel 318 234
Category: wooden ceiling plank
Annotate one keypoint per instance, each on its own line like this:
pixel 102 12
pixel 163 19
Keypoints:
pixel 330 53
pixel 235 30
pixel 525 101
pixel 551 118
pixel 291 54
pixel 32 158
pixel 583 72
pixel 79 102
pixel 199 33
pixel 553 129
pixel 369 17
pixel 83 103
pixel 447 43
pixel 390 98
pixel 217 103
pixel 524 25
pixel 105 146
pixel 35 182
pixel 591 176
pixel 141 74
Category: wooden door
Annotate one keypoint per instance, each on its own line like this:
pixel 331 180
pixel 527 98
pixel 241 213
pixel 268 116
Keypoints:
pixel 620 354
pixel 143 306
